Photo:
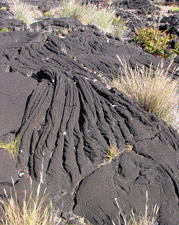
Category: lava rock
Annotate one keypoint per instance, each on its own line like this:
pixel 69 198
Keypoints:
pixel 69 117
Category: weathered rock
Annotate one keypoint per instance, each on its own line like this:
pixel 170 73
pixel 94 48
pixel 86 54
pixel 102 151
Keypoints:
pixel 170 24
pixel 143 6
pixel 7 20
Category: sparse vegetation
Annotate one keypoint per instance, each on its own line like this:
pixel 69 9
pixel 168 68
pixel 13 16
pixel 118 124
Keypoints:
pixel 47 14
pixel 154 41
pixel 71 9
pixel 154 90
pixel 175 9
pixel 24 11
pixel 4 30
pixel 12 147
pixel 35 211
pixel 112 152
pixel 64 31
pixel 32 212
pixel 104 18
pixel 3 8
pixel 149 217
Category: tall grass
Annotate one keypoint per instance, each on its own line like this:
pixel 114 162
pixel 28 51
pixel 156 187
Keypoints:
pixel 32 212
pixel 71 9
pixel 103 18
pixel 24 11
pixel 154 90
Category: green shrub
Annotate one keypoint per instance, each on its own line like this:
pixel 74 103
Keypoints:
pixel 4 29
pixel 154 90
pixel 3 8
pixel 156 42
pixel 47 14
pixel 175 9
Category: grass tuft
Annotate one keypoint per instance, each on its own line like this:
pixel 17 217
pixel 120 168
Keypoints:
pixel 154 90
pixel 31 213
pixel 149 217
pixel 24 11
pixel 12 147
pixel 104 18
pixel 71 9
pixel 112 152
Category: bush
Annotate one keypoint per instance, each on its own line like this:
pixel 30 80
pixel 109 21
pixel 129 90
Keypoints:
pixel 156 42
pixel 155 91
pixel 175 9
pixel 4 30
pixel 3 8
pixel 47 14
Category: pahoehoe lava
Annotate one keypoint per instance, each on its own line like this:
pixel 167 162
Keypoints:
pixel 71 117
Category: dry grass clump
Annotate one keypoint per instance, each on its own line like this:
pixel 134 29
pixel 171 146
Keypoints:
pixel 154 90
pixel 71 9
pixel 103 18
pixel 24 11
pixel 31 213
pixel 149 217
pixel 11 147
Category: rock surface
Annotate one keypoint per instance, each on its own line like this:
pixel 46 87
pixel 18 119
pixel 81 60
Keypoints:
pixel 15 90
pixel 70 118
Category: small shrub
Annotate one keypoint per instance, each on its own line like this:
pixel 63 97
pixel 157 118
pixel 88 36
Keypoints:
pixel 155 91
pixel 3 8
pixel 4 30
pixel 12 147
pixel 175 9
pixel 156 42
pixel 47 14
pixel 31 213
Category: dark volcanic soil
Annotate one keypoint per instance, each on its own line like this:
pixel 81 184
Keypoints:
pixel 53 96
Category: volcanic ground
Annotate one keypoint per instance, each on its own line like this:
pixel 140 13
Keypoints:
pixel 54 95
